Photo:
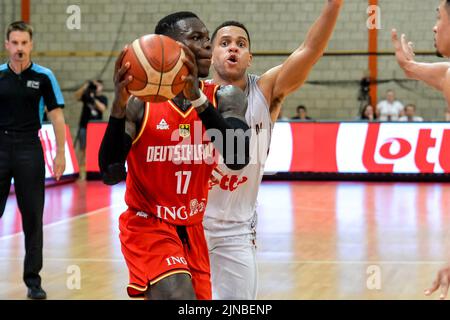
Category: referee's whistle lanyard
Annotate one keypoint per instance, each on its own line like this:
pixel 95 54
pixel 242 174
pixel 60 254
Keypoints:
pixel 21 68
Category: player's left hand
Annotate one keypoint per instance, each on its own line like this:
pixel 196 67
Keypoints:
pixel 191 90
pixel 338 2
pixel 442 281
pixel 59 165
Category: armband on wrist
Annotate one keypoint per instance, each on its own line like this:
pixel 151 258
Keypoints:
pixel 200 101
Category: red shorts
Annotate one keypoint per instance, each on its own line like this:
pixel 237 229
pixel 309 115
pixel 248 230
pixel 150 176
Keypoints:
pixel 153 251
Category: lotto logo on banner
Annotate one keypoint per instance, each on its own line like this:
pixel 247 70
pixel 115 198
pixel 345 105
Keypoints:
pixel 393 148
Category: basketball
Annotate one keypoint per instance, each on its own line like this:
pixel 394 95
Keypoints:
pixel 156 66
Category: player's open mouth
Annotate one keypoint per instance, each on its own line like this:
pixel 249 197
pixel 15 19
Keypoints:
pixel 232 59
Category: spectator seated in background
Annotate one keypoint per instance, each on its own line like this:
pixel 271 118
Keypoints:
pixel 389 109
pixel 368 113
pixel 410 114
pixel 302 114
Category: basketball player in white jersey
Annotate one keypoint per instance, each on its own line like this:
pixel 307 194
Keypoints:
pixel 436 75
pixel 230 219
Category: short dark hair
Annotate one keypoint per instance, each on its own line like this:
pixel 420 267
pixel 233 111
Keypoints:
pixel 166 26
pixel 231 23
pixel 301 107
pixel 19 26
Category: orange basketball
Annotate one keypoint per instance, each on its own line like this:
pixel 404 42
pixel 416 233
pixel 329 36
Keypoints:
pixel 156 67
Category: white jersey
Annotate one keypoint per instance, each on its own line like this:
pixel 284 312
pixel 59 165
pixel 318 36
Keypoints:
pixel 234 198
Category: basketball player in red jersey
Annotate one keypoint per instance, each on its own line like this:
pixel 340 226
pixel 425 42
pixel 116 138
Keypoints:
pixel 436 75
pixel 170 160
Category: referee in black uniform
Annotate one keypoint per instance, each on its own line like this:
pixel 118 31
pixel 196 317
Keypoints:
pixel 25 88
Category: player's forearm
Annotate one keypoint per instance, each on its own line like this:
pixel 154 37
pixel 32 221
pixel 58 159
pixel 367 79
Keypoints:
pixel 296 68
pixel 233 143
pixel 118 109
pixel 320 32
pixel 113 151
pixel 432 74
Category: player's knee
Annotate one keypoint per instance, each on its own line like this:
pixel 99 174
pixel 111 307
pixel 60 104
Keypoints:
pixel 175 287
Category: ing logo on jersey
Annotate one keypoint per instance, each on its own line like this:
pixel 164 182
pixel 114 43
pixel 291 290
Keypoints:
pixel 185 130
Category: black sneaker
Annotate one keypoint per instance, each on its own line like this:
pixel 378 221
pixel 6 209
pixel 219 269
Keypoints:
pixel 36 293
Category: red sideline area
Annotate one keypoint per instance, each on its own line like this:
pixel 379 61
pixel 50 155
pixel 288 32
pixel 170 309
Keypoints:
pixel 341 148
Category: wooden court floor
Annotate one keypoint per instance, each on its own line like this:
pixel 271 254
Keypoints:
pixel 316 240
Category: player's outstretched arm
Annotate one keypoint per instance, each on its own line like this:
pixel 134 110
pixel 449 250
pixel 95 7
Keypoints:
pixel 433 74
pixel 282 80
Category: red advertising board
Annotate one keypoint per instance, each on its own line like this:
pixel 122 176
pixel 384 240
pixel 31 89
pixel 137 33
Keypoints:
pixel 347 147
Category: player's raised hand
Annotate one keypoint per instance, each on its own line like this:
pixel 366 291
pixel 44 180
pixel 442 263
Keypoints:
pixel 191 90
pixel 442 281
pixel 338 2
pixel 404 51
pixel 120 84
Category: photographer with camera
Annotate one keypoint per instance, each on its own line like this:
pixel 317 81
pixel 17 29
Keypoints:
pixel 94 104
pixel 364 92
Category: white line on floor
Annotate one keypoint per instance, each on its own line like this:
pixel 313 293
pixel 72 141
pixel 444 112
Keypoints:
pixel 49 225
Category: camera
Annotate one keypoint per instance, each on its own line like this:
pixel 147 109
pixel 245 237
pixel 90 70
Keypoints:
pixel 89 97
pixel 364 89
pixel 92 87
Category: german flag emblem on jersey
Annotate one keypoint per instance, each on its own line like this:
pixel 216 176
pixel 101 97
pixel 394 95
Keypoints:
pixel 185 130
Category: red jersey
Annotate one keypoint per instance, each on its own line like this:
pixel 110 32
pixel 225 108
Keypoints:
pixel 170 163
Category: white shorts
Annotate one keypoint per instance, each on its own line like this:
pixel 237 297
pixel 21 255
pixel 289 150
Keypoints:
pixel 232 254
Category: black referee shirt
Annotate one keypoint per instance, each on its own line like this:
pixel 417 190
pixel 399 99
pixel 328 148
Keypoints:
pixel 22 97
